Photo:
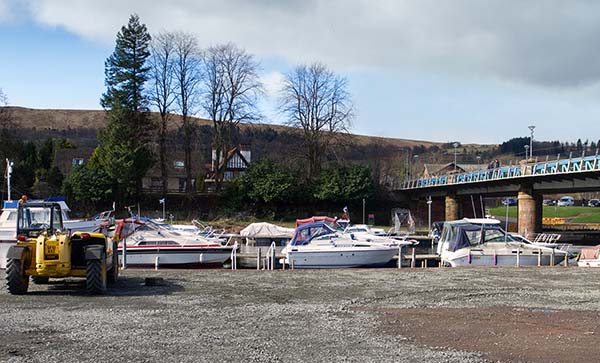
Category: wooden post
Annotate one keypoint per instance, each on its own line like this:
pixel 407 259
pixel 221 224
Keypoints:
pixel 552 257
pixel 518 256
pixel 539 257
pixel 273 258
pixel 291 263
pixel 258 258
pixel 566 261
pixel 399 256
pixel 413 259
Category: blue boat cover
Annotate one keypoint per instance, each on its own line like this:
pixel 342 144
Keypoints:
pixel 11 204
pixel 307 232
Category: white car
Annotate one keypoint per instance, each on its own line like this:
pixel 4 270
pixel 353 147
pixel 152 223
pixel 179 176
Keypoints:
pixel 566 201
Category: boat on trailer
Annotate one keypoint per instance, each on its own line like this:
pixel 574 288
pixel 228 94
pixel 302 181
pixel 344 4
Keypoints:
pixel 150 244
pixel 482 242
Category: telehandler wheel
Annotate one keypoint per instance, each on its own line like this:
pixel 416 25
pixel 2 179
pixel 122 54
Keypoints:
pixel 16 279
pixel 113 273
pixel 96 276
pixel 40 280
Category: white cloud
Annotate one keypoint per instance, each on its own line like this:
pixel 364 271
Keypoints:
pixel 5 11
pixel 272 83
pixel 543 42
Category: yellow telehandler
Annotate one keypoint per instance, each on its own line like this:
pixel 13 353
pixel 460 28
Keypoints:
pixel 46 250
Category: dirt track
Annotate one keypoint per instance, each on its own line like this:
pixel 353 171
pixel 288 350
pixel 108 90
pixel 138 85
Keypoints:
pixel 449 315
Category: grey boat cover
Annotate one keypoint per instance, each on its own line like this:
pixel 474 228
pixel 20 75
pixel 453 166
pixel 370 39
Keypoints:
pixel 266 230
pixel 457 234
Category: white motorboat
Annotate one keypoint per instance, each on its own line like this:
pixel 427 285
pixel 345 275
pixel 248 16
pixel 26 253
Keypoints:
pixel 8 224
pixel 376 235
pixel 589 257
pixel 319 245
pixel 149 244
pixel 482 242
pixel 8 219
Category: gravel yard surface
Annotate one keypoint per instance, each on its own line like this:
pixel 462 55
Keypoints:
pixel 358 315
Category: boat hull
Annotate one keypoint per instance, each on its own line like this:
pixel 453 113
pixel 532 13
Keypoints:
pixel 464 259
pixel 4 246
pixel 175 257
pixel 589 263
pixel 339 259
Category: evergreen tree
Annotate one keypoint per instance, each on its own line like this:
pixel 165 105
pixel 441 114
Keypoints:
pixel 123 153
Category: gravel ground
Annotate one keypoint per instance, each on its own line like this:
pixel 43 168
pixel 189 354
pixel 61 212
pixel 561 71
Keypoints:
pixel 374 315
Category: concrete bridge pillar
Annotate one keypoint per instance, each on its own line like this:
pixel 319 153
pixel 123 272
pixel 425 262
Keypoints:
pixel 530 212
pixel 452 208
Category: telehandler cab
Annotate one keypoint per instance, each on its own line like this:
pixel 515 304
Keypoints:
pixel 46 250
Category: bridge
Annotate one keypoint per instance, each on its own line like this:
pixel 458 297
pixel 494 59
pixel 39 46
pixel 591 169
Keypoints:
pixel 527 180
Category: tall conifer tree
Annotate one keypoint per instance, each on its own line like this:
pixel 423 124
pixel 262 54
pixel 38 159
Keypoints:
pixel 123 151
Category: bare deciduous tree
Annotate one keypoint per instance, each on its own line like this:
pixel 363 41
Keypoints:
pixel 7 129
pixel 5 116
pixel 316 100
pixel 232 88
pixel 162 92
pixel 187 74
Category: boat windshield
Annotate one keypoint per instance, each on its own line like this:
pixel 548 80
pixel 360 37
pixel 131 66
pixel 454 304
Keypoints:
pixel 306 233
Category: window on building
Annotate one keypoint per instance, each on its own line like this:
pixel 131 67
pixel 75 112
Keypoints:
pixel 155 182
pixel 77 161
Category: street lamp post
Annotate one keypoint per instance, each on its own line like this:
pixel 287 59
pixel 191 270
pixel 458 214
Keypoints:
pixel 526 153
pixel 407 164
pixel 455 146
pixel 416 158
pixel 478 162
pixel 429 212
pixel 531 128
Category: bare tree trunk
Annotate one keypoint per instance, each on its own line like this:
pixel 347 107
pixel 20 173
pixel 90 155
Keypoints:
pixel 163 94
pixel 187 77
pixel 315 100
pixel 231 91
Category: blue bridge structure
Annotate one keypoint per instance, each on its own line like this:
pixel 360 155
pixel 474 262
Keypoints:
pixel 528 181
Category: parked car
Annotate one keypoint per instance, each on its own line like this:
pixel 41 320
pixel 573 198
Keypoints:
pixel 594 203
pixel 509 201
pixel 549 202
pixel 566 201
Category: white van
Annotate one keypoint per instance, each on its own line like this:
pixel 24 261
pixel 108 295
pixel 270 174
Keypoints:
pixel 566 201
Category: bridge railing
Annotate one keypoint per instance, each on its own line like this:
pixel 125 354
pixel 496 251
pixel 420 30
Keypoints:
pixel 525 169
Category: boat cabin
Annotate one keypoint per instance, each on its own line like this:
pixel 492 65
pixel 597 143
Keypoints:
pixel 469 233
pixel 307 232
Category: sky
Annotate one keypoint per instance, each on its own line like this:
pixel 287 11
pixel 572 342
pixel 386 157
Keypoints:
pixel 460 70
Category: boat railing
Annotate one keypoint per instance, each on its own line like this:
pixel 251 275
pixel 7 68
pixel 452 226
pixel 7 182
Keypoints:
pixel 271 257
pixel 234 256
pixel 547 238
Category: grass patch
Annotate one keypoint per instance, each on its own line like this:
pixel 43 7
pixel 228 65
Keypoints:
pixel 501 211
pixel 588 218
pixel 573 214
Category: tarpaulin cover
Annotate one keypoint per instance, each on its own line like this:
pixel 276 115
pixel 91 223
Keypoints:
pixel 589 253
pixel 314 219
pixel 266 230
